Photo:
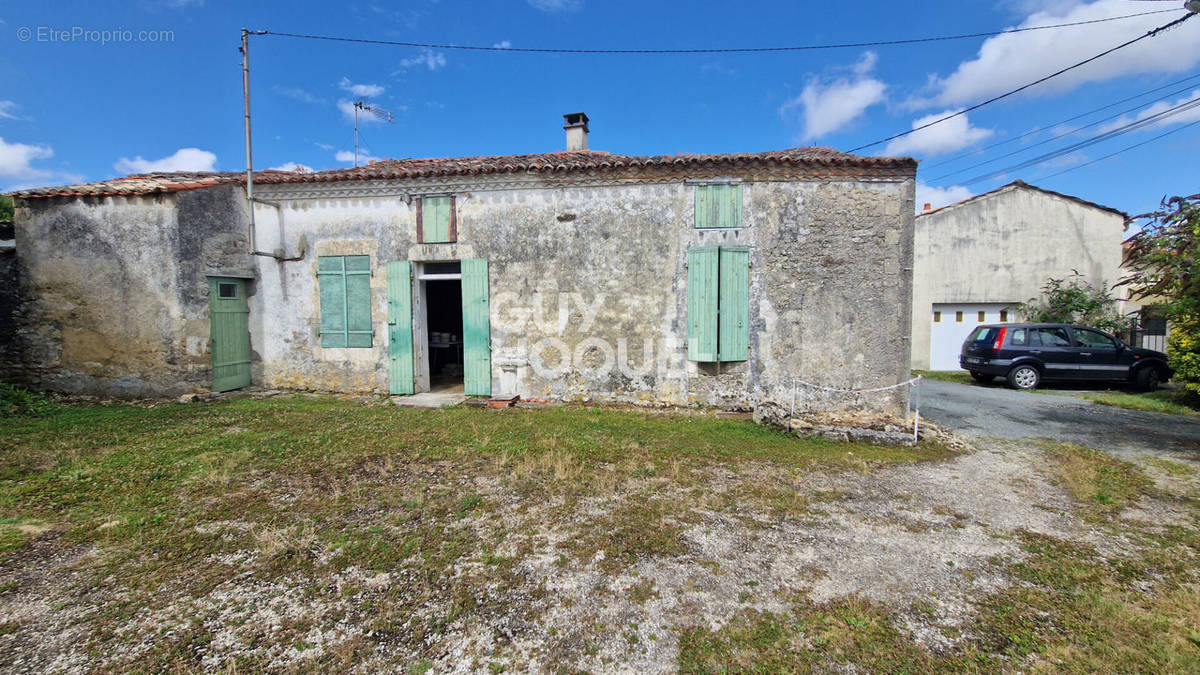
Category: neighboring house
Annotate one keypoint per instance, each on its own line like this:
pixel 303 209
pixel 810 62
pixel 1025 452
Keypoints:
pixel 976 260
pixel 578 275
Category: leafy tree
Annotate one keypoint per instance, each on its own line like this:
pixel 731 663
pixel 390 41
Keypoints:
pixel 1164 259
pixel 1073 299
pixel 6 208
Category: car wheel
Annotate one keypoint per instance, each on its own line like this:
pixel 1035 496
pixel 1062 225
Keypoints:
pixel 982 377
pixel 1147 379
pixel 1024 377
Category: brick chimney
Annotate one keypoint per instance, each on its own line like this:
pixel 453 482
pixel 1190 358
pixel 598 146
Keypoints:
pixel 576 125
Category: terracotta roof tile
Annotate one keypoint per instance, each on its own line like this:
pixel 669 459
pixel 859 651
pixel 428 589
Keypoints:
pixel 819 160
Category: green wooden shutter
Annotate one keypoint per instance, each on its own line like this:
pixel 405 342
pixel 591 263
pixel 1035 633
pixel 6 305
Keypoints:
pixel 734 321
pixel 435 219
pixel 702 303
pixel 718 206
pixel 400 333
pixel 345 283
pixel 477 333
pixel 703 202
pixel 331 274
pixel 359 331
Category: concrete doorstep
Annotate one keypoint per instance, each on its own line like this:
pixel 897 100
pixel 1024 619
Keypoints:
pixel 429 400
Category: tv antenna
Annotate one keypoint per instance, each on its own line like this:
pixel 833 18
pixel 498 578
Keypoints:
pixel 374 111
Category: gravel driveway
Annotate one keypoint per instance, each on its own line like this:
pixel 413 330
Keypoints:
pixel 994 411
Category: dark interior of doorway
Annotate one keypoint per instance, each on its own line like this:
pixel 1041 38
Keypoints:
pixel 445 326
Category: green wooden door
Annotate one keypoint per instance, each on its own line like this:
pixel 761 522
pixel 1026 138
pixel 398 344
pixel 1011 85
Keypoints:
pixel 477 332
pixel 702 303
pixel 400 327
pixel 734 302
pixel 229 333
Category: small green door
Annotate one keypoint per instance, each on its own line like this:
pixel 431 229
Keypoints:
pixel 400 329
pixel 229 333
pixel 477 332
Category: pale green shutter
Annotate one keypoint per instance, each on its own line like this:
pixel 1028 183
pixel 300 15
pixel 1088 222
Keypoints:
pixel 331 275
pixel 435 219
pixel 359 330
pixel 477 333
pixel 734 304
pixel 702 303
pixel 345 283
pixel 718 206
pixel 729 198
pixel 703 204
pixel 400 333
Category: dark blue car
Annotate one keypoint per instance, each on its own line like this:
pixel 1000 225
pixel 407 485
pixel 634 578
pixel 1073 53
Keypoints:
pixel 1027 353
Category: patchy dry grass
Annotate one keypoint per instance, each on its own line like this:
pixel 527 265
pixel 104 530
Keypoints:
pixel 1171 402
pixel 307 533
pixel 1103 483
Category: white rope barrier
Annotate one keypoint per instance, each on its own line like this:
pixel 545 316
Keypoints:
pixel 914 383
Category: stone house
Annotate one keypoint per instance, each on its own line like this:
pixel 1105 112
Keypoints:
pixel 976 260
pixel 577 275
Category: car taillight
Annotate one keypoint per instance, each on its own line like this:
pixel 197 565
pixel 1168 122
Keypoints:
pixel 999 339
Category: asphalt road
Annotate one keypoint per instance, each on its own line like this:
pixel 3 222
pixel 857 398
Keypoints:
pixel 995 411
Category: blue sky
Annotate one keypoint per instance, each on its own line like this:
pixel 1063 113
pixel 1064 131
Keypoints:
pixel 164 92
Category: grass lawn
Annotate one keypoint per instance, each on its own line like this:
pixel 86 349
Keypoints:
pixel 318 533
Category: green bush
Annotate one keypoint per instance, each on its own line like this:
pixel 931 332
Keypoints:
pixel 15 401
pixel 1183 351
pixel 1073 299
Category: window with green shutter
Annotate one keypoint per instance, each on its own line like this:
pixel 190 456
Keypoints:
pixel 718 206
pixel 345 283
pixel 718 303
pixel 436 220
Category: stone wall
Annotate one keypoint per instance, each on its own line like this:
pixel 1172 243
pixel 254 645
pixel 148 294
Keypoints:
pixel 115 300
pixel 589 286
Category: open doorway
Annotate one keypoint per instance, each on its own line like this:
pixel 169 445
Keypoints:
pixel 441 286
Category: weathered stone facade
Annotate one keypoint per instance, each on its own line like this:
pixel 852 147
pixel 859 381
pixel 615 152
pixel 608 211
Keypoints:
pixel 587 274
pixel 114 294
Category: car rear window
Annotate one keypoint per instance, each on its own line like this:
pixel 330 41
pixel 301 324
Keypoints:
pixel 983 334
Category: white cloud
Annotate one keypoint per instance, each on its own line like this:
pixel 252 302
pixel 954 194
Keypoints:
pixel 360 90
pixel 364 157
pixel 503 44
pixel 16 160
pixel 937 197
pixel 1190 115
pixel 829 106
pixel 323 146
pixel 428 58
pixel 949 136
pixel 184 159
pixel 6 110
pixel 298 94
pixel 556 5
pixel 1008 61
pixel 293 166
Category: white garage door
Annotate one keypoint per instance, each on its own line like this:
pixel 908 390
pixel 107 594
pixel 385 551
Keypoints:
pixel 952 323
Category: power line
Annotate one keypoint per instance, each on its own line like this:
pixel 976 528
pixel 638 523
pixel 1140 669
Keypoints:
pixel 978 151
pixel 1119 131
pixel 1062 135
pixel 727 50
pixel 977 106
pixel 1126 149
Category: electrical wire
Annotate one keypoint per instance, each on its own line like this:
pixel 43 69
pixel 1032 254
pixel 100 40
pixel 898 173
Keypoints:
pixel 1119 131
pixel 1005 95
pixel 1114 154
pixel 727 50
pixel 1064 134
pixel 979 151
